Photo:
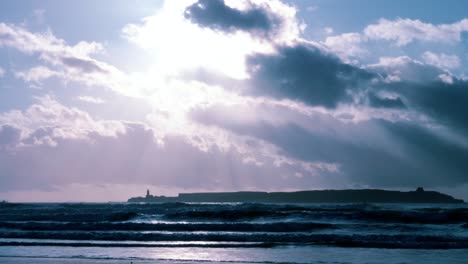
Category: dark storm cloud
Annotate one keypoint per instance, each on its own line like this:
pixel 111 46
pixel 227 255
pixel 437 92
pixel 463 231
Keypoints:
pixel 304 73
pixel 447 103
pixel 380 153
pixel 443 102
pixel 307 74
pixel 421 89
pixel 402 155
pixel 215 14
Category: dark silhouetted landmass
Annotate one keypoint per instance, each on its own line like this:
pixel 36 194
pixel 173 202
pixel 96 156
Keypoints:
pixel 322 196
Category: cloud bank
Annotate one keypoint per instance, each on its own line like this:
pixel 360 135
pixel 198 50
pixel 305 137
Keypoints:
pixel 240 100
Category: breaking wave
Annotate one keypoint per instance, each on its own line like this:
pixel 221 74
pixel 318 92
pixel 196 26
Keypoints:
pixel 236 224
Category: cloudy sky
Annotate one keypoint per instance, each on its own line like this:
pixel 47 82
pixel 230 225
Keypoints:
pixel 100 100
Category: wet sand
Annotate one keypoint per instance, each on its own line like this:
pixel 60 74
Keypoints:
pixel 20 260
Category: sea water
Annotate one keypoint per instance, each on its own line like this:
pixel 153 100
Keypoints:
pixel 238 232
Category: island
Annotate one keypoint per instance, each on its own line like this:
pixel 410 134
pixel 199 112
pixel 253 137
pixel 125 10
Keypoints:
pixel 316 196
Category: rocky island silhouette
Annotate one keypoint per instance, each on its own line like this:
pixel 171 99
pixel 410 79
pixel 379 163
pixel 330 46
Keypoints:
pixel 312 196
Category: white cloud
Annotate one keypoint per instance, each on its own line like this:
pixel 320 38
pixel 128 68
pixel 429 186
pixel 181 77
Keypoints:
pixel 68 62
pixel 346 45
pixel 171 97
pixel 446 78
pixel 404 68
pixel 48 121
pixel 328 30
pixel 2 72
pixel 52 138
pixel 404 31
pixel 162 84
pixel 90 99
pixel 401 32
pixel 46 44
pixel 37 74
pixel 111 160
pixel 441 60
pixel 184 48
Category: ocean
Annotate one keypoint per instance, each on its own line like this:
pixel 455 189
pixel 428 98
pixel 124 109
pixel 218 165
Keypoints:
pixel 234 232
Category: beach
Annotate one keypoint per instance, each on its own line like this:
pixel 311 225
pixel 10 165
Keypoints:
pixel 20 260
pixel 304 255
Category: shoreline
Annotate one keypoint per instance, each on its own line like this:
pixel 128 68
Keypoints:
pixel 88 260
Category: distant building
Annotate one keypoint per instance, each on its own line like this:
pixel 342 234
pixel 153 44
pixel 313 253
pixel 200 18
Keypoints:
pixel 148 195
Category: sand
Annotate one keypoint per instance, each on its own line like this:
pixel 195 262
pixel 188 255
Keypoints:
pixel 20 260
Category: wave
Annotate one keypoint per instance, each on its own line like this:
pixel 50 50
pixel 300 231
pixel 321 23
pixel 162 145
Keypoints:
pixel 384 216
pixel 240 212
pixel 232 227
pixel 70 217
pixel 152 245
pixel 344 225
pixel 420 216
pixel 368 241
pixel 447 216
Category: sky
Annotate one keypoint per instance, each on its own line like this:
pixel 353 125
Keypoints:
pixel 101 100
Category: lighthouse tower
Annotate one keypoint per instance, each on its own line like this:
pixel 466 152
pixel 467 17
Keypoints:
pixel 148 195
